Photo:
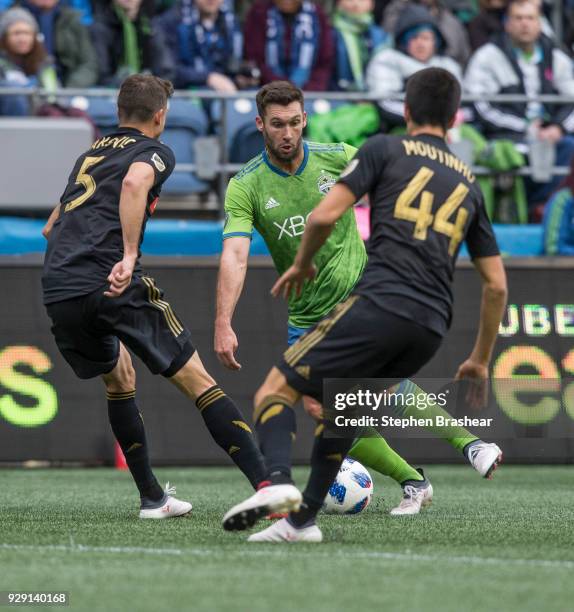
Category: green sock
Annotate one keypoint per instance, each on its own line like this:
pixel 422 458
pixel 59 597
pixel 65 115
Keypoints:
pixel 457 437
pixel 375 453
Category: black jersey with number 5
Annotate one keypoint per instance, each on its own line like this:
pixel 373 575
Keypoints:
pixel 424 203
pixel 86 240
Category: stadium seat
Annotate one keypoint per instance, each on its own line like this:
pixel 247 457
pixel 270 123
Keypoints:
pixel 186 121
pixel 247 143
pixel 103 111
pixel 243 139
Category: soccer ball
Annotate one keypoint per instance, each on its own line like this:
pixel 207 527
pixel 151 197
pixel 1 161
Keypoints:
pixel 351 491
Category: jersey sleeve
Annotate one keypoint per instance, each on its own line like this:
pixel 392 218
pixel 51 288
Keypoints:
pixel 480 238
pixel 238 211
pixel 350 151
pixel 363 171
pixel 160 158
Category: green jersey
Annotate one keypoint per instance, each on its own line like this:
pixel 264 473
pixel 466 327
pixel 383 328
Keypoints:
pixel 277 205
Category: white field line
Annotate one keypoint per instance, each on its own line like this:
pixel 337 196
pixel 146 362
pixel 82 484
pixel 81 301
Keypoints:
pixel 257 551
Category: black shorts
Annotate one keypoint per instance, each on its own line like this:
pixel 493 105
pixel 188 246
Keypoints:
pixel 88 329
pixel 357 340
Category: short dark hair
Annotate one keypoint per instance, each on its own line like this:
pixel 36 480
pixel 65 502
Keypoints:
pixel 433 97
pixel 141 96
pixel 513 3
pixel 277 92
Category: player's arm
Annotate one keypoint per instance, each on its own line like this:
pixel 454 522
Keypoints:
pixel 239 218
pixel 232 271
pixel 493 303
pixel 319 226
pixel 133 200
pixel 357 179
pixel 482 247
pixel 50 222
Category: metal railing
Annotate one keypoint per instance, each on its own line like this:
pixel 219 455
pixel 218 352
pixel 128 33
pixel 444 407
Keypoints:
pixel 224 169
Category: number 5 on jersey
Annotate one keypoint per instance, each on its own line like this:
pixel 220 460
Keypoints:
pixel 422 216
pixel 86 180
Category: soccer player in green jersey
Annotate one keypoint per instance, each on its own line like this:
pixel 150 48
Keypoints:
pixel 274 193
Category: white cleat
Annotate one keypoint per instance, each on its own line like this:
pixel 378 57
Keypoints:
pixel 484 457
pixel 271 499
pixel 170 507
pixel 414 500
pixel 283 531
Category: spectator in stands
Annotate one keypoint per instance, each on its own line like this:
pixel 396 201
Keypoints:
pixel 67 40
pixel 487 23
pixel 490 22
pixel 357 38
pixel 419 45
pixel 453 32
pixel 206 44
pixel 127 43
pixel 290 40
pixel 24 61
pixel 524 61
pixel 84 7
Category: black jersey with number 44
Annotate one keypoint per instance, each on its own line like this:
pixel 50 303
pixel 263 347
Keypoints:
pixel 86 240
pixel 424 203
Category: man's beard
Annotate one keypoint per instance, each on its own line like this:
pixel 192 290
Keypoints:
pixel 278 154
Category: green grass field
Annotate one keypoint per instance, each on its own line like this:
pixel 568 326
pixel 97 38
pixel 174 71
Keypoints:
pixel 504 545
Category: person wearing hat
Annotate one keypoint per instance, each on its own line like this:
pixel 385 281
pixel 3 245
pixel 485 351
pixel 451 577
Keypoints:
pixel 418 44
pixel 23 58
pixel 67 40
pixel 455 36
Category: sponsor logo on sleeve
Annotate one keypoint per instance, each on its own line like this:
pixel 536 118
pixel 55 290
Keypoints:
pixel 158 162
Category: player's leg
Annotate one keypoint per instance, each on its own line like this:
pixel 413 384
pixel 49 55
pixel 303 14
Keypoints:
pixel 92 352
pixel 143 319
pixel 484 457
pixel 373 451
pixel 127 424
pixel 328 452
pixel 221 417
pixel 357 340
pixel 274 396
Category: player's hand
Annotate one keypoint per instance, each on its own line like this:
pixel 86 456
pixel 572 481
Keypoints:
pixel 120 277
pixel 46 230
pixel 313 408
pixel 477 375
pixel 225 344
pixel 293 279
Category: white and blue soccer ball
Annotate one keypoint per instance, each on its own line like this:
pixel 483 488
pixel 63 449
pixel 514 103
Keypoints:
pixel 352 490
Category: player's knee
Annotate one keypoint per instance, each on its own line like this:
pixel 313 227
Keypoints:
pixel 123 377
pixel 192 378
pixel 129 376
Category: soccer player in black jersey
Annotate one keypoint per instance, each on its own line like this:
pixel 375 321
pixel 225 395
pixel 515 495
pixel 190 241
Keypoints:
pixel 101 302
pixel 424 203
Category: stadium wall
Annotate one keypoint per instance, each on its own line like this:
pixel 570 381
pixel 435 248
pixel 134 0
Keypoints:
pixel 46 414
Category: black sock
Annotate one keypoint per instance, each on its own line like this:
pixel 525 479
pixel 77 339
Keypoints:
pixel 228 428
pixel 326 459
pixel 127 425
pixel 276 426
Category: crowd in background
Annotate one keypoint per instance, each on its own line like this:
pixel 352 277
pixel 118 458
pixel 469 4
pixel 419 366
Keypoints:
pixel 346 45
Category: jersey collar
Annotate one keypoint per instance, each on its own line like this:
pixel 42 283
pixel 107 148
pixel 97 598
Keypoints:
pixel 282 172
